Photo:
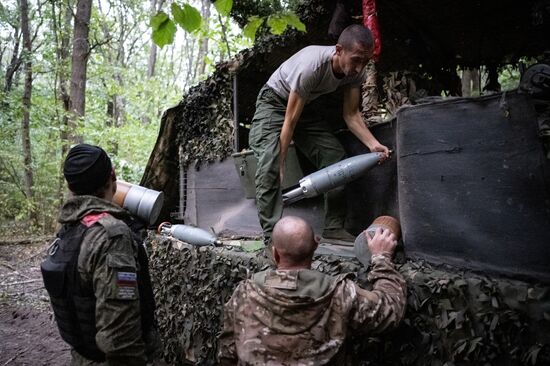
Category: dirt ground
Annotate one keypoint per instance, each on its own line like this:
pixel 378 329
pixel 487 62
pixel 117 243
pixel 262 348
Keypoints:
pixel 28 333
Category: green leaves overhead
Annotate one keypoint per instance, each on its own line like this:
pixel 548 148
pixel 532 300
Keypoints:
pixel 223 7
pixel 188 18
pixel 295 22
pixel 254 22
pixel 164 29
pixel 277 24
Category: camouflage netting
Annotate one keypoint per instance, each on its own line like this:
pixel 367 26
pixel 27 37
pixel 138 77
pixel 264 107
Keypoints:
pixel 204 133
pixel 453 317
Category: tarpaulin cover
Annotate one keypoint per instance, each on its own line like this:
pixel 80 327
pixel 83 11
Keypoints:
pixel 473 184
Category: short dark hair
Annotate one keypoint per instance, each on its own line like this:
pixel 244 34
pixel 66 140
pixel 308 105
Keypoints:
pixel 356 33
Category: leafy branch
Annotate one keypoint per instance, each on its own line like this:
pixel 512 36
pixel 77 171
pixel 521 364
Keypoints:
pixel 190 20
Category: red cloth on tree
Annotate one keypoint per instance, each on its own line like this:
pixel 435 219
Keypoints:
pixel 370 20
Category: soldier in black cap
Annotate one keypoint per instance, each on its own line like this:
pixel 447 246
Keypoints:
pixel 98 286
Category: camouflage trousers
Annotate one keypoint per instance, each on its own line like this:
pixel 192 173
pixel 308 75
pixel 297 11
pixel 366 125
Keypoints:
pixel 312 138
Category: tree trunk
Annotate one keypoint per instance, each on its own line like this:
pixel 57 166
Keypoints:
pixel 189 51
pixel 11 70
pixel 153 49
pixel 119 100
pixel 475 81
pixel 2 54
pixel 27 92
pixel 470 82
pixel 466 83
pixel 116 106
pixel 62 29
pixel 63 53
pixel 151 63
pixel 492 86
pixel 155 6
pixel 203 46
pixel 14 63
pixel 81 49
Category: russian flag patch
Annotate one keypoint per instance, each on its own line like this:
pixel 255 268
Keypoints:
pixel 126 285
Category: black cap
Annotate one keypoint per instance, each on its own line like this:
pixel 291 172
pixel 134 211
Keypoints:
pixel 87 168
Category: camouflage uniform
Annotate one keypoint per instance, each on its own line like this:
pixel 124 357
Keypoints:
pixel 302 317
pixel 106 248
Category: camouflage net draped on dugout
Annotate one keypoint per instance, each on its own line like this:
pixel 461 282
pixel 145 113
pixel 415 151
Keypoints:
pixel 206 128
pixel 452 318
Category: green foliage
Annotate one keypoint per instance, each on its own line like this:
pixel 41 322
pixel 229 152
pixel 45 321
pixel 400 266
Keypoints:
pixel 243 10
pixel 250 29
pixel 223 7
pixel 128 145
pixel 16 206
pixel 117 71
pixel 509 77
pixel 277 24
pixel 190 20
pixel 187 17
pixel 293 21
pixel 164 29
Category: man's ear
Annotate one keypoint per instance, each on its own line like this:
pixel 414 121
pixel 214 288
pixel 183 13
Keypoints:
pixel 339 49
pixel 113 181
pixel 316 240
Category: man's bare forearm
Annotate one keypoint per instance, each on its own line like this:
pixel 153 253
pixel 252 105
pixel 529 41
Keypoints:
pixel 360 130
pixel 294 108
pixel 354 121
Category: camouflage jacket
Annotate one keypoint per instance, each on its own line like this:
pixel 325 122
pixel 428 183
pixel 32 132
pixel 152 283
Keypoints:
pixel 302 317
pixel 107 255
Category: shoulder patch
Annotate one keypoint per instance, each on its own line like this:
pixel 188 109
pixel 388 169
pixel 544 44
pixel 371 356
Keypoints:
pixel 124 284
pixel 113 226
pixel 92 218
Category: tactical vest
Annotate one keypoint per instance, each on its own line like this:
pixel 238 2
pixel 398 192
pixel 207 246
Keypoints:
pixel 73 301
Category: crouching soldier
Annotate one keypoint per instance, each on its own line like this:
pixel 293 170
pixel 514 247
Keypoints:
pixel 298 316
pixel 95 273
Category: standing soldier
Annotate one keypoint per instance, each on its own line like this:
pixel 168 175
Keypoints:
pixel 283 114
pixel 99 286
pixel 297 316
